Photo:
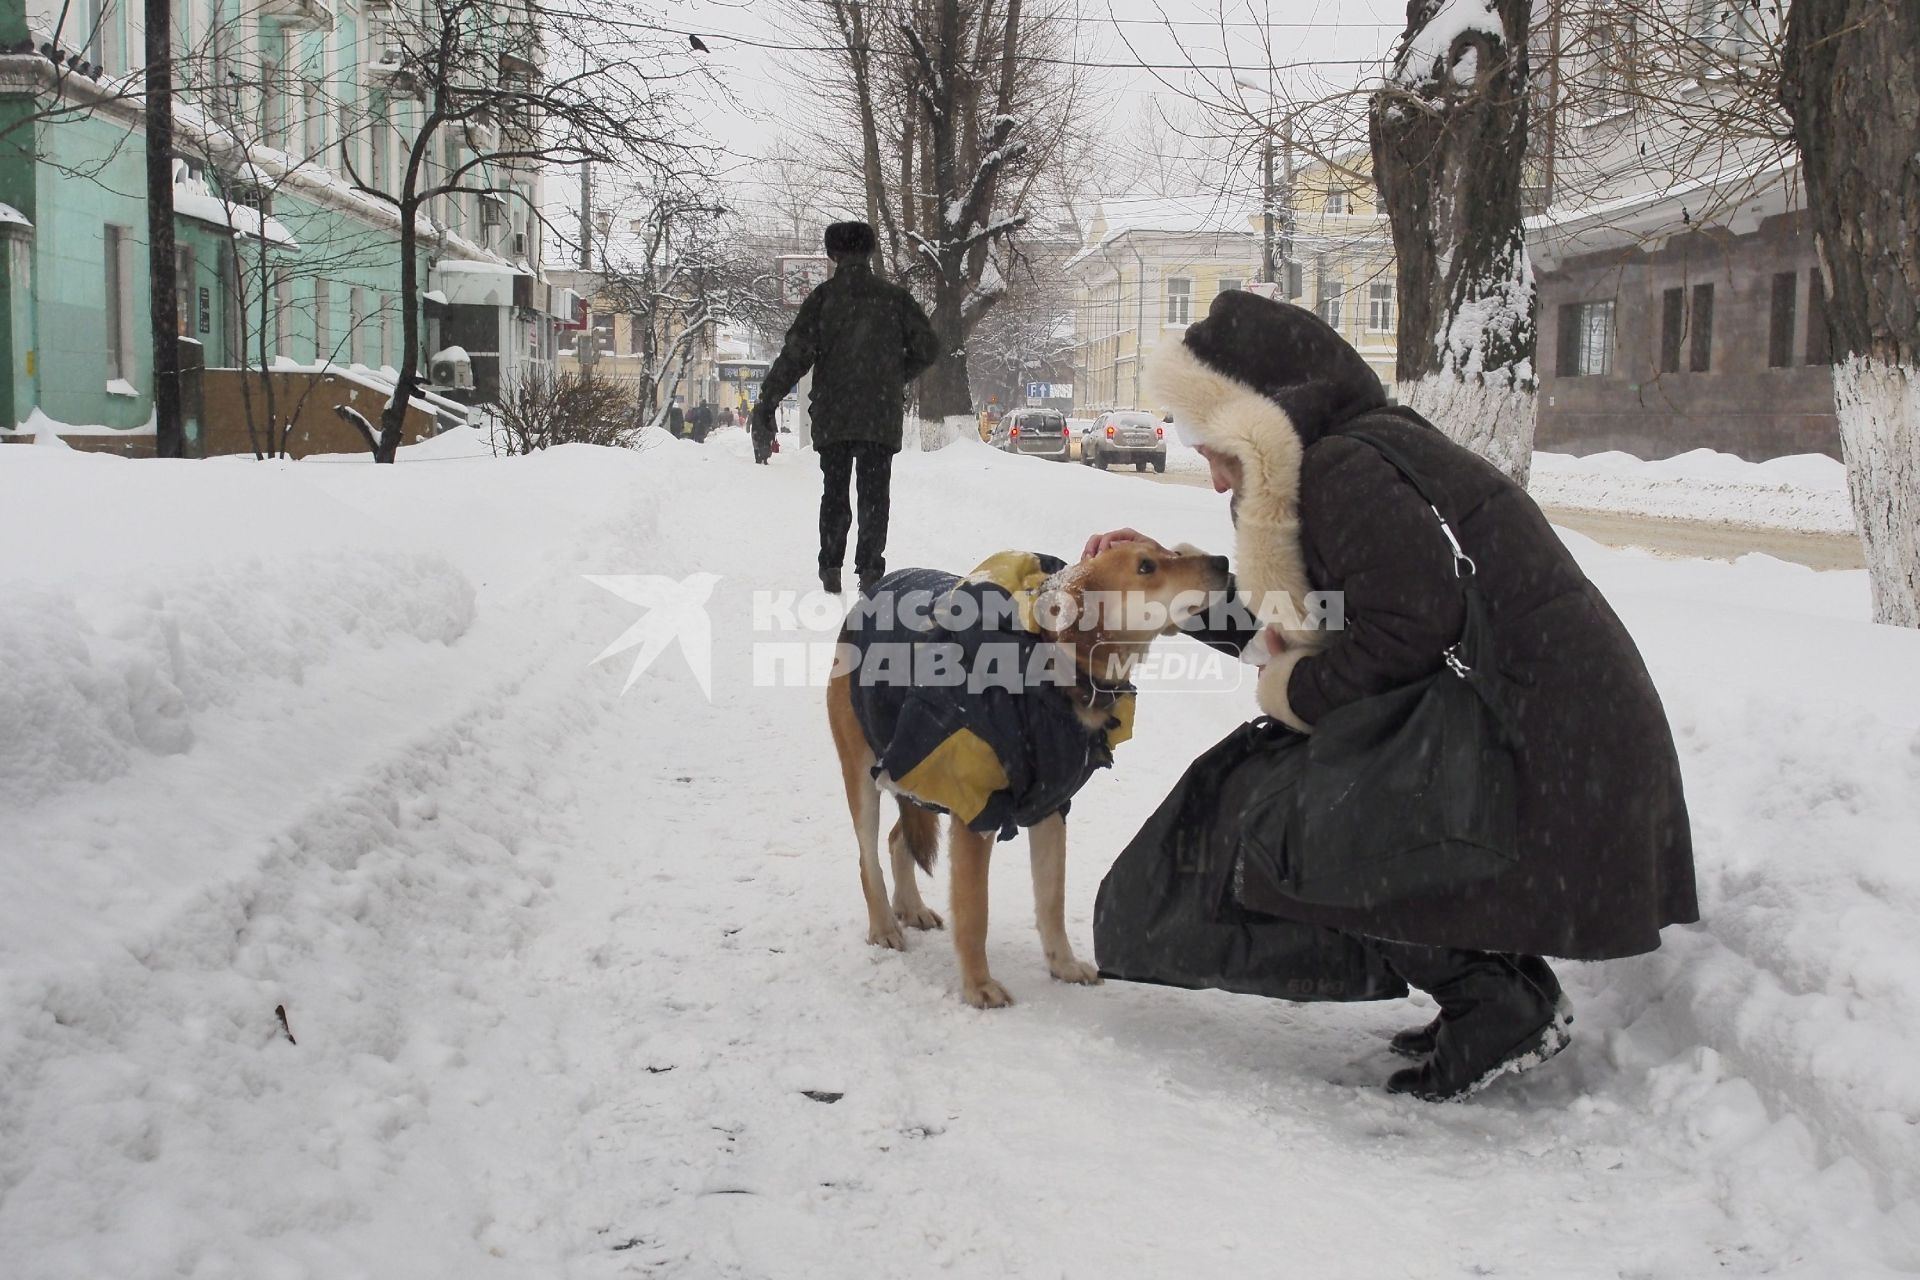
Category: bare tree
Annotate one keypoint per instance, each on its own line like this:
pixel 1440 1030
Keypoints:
pixel 959 107
pixel 1852 69
pixel 678 272
pixel 507 90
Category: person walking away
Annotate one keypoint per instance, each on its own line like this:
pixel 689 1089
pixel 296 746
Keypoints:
pixel 700 421
pixel 676 419
pixel 865 340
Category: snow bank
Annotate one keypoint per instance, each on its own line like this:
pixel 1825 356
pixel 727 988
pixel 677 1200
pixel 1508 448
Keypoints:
pixel 1804 493
pixel 560 962
pixel 92 683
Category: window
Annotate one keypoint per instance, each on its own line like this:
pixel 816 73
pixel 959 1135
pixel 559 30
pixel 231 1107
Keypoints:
pixel 636 330
pixel 183 290
pixel 1701 356
pixel 1380 308
pixel 1819 340
pixel 119 318
pixel 273 89
pixel 603 331
pixel 283 315
pixel 1228 284
pixel 1337 200
pixel 1780 319
pixel 1586 339
pixel 1296 281
pixel 1179 301
pixel 1330 298
pixel 105 45
pixel 357 321
pixel 379 143
pixel 316 121
pixel 1673 327
pixel 389 331
pixel 322 321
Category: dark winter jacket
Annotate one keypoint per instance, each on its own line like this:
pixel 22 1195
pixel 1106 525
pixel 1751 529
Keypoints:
pixel 993 749
pixel 865 340
pixel 1608 855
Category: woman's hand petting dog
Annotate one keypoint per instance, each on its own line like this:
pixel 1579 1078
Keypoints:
pixel 1102 541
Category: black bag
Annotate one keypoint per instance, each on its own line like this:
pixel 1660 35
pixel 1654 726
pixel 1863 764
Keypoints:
pixel 1165 912
pixel 1403 794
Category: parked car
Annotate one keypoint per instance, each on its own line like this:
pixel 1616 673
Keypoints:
pixel 1042 433
pixel 1126 435
pixel 1079 427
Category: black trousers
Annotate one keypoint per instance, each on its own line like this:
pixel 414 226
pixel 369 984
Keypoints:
pixel 871 465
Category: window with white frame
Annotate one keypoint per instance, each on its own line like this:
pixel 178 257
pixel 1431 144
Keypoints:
pixel 1330 294
pixel 1337 200
pixel 119 274
pixel 1380 307
pixel 1179 300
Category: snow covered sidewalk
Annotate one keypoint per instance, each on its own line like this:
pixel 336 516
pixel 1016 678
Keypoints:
pixel 574 975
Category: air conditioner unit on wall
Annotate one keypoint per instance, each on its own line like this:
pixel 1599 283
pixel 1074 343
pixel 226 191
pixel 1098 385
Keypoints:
pixel 450 370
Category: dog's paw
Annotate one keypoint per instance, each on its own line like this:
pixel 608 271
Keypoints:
pixel 888 936
pixel 1072 970
pixel 986 994
pixel 920 917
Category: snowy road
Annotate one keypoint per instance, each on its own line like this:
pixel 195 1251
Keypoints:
pixel 564 964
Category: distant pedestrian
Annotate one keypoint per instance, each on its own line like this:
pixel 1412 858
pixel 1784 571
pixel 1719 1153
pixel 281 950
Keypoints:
pixel 676 420
pixel 700 421
pixel 865 340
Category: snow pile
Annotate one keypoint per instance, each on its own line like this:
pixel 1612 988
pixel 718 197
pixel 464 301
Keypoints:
pixel 563 965
pixel 91 684
pixel 1804 493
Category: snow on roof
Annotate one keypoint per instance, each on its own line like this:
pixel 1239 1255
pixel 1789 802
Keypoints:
pixel 475 267
pixel 1116 216
pixel 12 217
pixel 193 201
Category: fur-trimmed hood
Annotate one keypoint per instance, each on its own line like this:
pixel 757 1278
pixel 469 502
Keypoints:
pixel 1261 380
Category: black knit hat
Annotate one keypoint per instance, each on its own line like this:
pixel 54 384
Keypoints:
pixel 849 240
pixel 1288 354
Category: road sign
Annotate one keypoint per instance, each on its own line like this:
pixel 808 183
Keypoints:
pixel 800 275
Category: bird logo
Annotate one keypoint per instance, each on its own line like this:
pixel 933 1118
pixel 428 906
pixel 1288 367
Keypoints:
pixel 676 613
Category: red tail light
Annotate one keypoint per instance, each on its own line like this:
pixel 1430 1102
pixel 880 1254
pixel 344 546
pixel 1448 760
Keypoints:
pixel 1159 433
pixel 1066 433
pixel 1109 432
pixel 1013 433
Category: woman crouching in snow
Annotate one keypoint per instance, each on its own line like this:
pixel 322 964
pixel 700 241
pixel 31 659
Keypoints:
pixel 1296 426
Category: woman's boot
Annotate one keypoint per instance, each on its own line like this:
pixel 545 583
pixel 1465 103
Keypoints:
pixel 1417 1042
pixel 1494 1019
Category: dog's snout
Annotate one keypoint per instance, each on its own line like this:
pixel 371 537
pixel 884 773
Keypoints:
pixel 1217 563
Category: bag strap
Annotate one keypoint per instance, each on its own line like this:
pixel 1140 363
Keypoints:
pixel 1463 564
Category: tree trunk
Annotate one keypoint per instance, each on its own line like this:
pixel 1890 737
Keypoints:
pixel 393 419
pixel 163 303
pixel 944 389
pixel 1449 139
pixel 1850 81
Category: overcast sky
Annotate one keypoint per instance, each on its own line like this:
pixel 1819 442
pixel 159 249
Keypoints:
pixel 761 61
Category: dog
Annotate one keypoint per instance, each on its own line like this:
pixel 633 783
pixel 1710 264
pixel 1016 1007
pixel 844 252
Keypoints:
pixel 998 758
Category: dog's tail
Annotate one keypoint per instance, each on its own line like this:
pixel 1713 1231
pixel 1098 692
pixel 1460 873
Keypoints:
pixel 920 829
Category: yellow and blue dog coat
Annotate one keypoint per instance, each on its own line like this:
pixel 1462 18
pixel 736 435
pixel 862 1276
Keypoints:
pixel 947 698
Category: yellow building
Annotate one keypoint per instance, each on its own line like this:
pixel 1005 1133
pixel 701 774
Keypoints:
pixel 1152 266
pixel 1149 269
pixel 1342 258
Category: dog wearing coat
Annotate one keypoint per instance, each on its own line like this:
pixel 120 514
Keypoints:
pixel 993 698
